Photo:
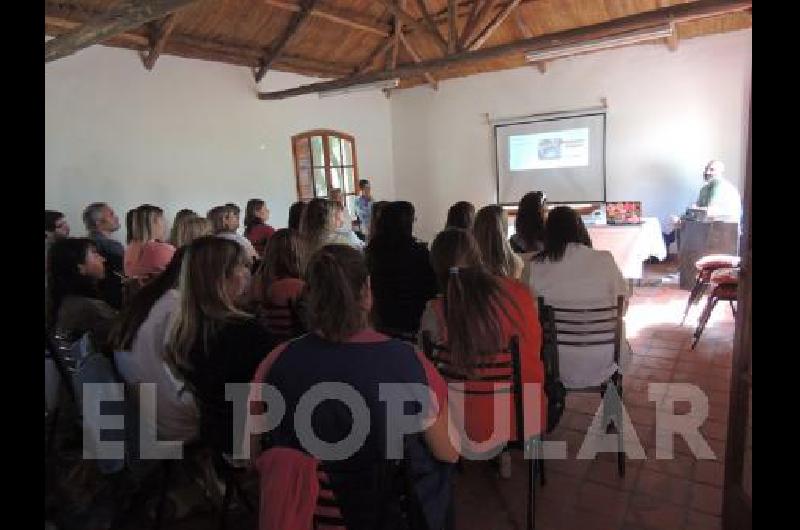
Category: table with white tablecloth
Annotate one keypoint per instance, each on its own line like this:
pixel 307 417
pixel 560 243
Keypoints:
pixel 630 245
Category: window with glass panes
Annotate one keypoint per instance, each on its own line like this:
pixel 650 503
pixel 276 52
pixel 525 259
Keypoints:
pixel 325 160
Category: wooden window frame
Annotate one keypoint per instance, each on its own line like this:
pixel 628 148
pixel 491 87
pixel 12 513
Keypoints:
pixel 326 134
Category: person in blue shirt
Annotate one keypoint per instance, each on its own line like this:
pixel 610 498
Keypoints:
pixel 364 205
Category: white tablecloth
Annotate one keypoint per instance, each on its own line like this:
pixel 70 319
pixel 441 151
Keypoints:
pixel 630 244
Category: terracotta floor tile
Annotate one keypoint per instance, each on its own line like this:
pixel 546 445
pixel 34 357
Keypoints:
pixel 709 472
pixel 602 500
pixel 702 521
pixel 680 465
pixel 654 514
pixel 707 499
pixel 603 470
pixel 664 487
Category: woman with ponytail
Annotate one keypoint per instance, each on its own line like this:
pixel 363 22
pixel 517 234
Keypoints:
pixel 476 315
pixel 343 347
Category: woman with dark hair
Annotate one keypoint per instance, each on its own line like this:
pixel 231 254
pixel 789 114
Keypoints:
pixel 400 271
pixel 295 214
pixel 75 304
pixel 212 341
pixel 476 315
pixel 256 229
pixel 490 229
pixel 461 215
pixel 529 227
pixel 569 273
pixel 138 339
pixel 344 348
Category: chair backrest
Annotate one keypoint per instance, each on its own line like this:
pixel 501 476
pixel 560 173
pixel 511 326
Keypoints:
pixel 501 367
pixel 581 328
pixel 283 321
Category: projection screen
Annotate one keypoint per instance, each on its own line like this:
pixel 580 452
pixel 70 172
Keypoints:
pixel 562 155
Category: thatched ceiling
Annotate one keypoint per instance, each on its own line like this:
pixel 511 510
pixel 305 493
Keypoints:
pixel 338 38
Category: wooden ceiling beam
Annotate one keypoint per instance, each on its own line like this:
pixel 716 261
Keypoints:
pixel 275 50
pixel 475 23
pixel 159 33
pixel 380 49
pixel 675 13
pixel 412 22
pixel 417 59
pixel 492 26
pixel 124 16
pixel 340 16
pixel 426 17
pixel 452 29
pixel 398 30
pixel 194 48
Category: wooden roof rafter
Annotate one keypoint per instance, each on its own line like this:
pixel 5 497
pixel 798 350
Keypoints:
pixel 336 15
pixel 412 22
pixel 127 14
pixel 295 25
pixel 495 23
pixel 677 13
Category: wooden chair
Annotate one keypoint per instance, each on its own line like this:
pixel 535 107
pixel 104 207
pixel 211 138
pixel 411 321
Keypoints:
pixel 705 268
pixel 565 327
pixel 505 367
pixel 725 287
pixel 283 321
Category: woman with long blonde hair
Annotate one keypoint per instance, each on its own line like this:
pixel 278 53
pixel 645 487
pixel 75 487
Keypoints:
pixel 490 230
pixel 147 254
pixel 212 340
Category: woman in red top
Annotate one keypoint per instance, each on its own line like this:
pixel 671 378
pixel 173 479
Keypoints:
pixel 256 229
pixel 147 255
pixel 476 316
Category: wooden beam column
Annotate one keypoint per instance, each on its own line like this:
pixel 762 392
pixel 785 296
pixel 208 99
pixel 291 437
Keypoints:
pixel 126 15
pixel 490 28
pixel 159 33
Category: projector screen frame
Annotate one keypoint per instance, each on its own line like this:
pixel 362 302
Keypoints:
pixel 546 117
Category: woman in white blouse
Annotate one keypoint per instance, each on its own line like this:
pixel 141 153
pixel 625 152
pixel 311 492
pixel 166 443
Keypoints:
pixel 569 273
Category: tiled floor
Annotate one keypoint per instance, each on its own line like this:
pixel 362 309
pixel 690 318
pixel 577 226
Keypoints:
pixel 680 493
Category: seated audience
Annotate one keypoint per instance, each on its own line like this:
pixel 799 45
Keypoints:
pixel 529 226
pixel 76 267
pixel 147 255
pixel 138 340
pixel 190 228
pixel 101 221
pixel 569 273
pixel 180 217
pixel 212 341
pixel 400 271
pixel 343 233
pixel 476 315
pixel 490 230
pixel 461 215
pixel 343 348
pixel 256 228
pixel 225 220
pixel 295 215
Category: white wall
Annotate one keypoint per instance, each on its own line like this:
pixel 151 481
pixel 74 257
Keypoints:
pixel 189 134
pixel 669 113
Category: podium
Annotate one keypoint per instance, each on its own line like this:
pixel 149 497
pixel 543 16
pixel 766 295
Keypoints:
pixel 701 238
